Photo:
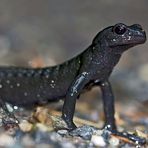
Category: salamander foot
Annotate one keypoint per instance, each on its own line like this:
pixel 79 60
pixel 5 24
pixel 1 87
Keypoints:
pixel 70 124
pixel 131 137
pixel 124 135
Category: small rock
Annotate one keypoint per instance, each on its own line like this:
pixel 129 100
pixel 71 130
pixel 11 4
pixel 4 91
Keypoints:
pixel 98 140
pixel 25 126
pixel 58 123
pixel 41 115
pixel 84 131
pixel 98 132
pixel 6 140
pixel 9 107
pixel 114 141
pixel 62 132
pixel 43 127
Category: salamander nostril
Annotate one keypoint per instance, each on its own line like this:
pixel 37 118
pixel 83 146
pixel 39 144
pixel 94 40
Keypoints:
pixel 119 29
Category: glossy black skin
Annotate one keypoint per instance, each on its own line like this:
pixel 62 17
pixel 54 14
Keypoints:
pixel 28 86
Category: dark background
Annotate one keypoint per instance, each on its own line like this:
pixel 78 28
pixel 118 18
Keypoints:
pixel 55 30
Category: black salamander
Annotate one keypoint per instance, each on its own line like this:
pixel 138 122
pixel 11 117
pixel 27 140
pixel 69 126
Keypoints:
pixel 28 86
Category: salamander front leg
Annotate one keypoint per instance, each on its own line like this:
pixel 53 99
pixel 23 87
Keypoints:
pixel 70 100
pixel 108 101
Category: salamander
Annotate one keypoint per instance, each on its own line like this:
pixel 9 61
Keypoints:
pixel 27 86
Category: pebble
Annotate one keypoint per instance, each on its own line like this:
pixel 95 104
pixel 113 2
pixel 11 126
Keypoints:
pixel 62 132
pixel 6 140
pixel 114 141
pixel 42 127
pixel 84 132
pixel 9 107
pixel 25 126
pixel 98 141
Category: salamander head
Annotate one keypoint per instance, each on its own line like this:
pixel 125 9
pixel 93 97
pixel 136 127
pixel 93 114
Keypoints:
pixel 120 37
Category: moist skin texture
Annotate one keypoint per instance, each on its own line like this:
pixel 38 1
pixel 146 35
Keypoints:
pixel 28 86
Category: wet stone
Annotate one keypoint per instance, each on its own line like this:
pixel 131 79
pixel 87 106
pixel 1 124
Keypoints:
pixel 9 107
pixel 98 141
pixel 114 141
pixel 62 132
pixel 84 131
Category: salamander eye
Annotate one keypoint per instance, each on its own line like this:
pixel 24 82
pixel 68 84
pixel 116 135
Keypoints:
pixel 119 29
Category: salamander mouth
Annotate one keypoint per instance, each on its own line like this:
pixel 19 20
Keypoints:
pixel 137 40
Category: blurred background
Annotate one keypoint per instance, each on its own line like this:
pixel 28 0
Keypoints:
pixel 39 33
